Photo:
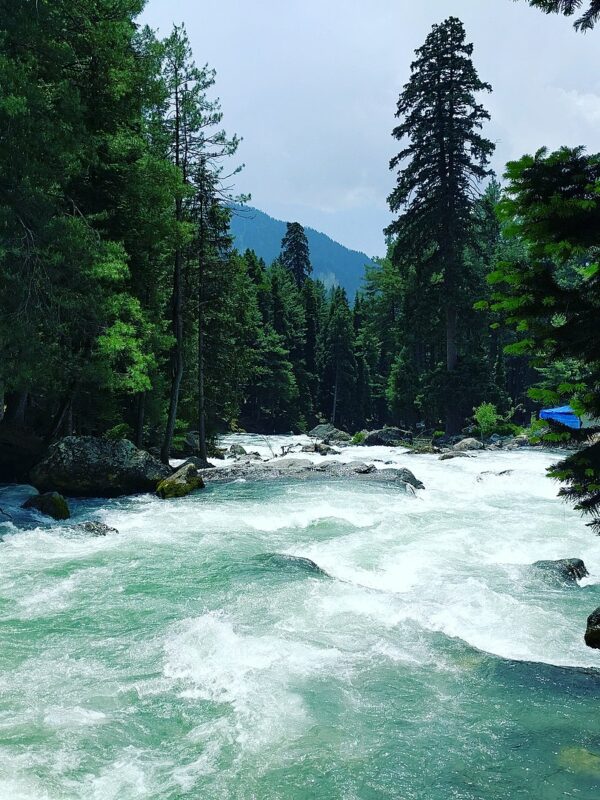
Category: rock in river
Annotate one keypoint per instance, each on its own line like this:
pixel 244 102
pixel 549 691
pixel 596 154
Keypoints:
pixel 592 634
pixel 87 466
pixel 94 528
pixel 386 437
pixel 301 469
pixel 468 444
pixel 565 570
pixel 329 433
pixel 52 504
pixel 180 483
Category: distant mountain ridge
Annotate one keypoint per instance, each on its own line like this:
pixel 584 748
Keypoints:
pixel 332 263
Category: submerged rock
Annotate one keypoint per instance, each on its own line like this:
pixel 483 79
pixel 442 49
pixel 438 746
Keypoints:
pixel 94 528
pixel 237 450
pixel 592 633
pixel 385 437
pixel 449 456
pixel 468 444
pixel 181 483
pixel 565 570
pixel 503 474
pixel 87 466
pixel 51 504
pixel 283 560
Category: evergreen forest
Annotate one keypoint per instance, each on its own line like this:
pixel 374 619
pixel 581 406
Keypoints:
pixel 126 311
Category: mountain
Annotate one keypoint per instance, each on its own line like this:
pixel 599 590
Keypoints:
pixel 332 263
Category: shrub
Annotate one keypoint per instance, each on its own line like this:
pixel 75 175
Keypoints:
pixel 358 438
pixel 121 431
pixel 487 418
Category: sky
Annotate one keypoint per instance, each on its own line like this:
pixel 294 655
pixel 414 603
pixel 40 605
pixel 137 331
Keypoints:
pixel 312 87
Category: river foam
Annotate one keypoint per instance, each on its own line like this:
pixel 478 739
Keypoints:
pixel 179 659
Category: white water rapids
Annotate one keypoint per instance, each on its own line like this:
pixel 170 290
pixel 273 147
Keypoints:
pixel 172 661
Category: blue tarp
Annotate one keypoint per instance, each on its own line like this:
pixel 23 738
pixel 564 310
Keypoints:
pixel 564 415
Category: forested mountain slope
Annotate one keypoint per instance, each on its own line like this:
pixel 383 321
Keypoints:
pixel 332 263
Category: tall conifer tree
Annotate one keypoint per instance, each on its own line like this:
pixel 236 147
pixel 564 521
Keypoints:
pixel 444 159
pixel 295 254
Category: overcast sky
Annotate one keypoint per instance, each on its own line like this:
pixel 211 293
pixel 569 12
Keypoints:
pixel 312 85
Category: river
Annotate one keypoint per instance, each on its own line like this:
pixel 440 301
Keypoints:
pixel 179 659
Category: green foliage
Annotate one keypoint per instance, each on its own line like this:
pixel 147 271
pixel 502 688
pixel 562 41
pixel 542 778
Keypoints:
pixel 586 22
pixel 487 417
pixel 295 254
pixel 443 160
pixel 120 431
pixel 550 295
pixel 358 437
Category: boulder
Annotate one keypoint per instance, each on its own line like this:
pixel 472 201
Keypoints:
pixel 449 456
pixel 237 450
pixel 301 469
pixel 592 633
pixel 180 483
pixel 51 504
pixel 88 466
pixel 329 433
pixel 321 449
pixel 94 528
pixel 386 437
pixel 364 469
pixel 300 564
pixel 407 476
pixel 565 570
pixel 468 444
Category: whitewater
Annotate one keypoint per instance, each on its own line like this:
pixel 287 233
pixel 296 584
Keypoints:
pixel 180 659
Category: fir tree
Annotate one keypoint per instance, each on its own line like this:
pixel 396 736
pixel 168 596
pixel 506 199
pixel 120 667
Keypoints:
pixel 295 255
pixel 444 159
pixel 587 20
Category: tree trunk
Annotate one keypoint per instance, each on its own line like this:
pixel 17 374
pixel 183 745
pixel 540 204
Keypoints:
pixel 452 421
pixel 202 451
pixel 176 360
pixel 335 393
pixel 177 304
pixel 139 419
pixel 59 419
pixel 16 405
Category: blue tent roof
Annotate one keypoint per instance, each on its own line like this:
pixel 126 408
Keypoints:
pixel 564 415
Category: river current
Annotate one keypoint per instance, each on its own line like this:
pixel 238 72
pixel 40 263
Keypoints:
pixel 181 659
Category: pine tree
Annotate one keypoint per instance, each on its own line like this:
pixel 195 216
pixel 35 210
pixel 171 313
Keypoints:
pixel 338 361
pixel 550 295
pixel 569 7
pixel 444 159
pixel 295 255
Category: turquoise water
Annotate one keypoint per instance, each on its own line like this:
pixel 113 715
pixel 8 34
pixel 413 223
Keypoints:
pixel 175 660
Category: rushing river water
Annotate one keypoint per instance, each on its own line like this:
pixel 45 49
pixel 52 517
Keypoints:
pixel 178 660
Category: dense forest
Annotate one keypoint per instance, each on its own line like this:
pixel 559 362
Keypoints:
pixel 127 312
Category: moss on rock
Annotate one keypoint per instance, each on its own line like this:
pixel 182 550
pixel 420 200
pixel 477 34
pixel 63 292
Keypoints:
pixel 180 483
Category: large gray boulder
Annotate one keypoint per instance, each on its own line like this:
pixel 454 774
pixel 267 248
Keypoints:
pixel 88 466
pixel 468 444
pixel 565 570
pixel 329 433
pixel 592 633
pixel 386 437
